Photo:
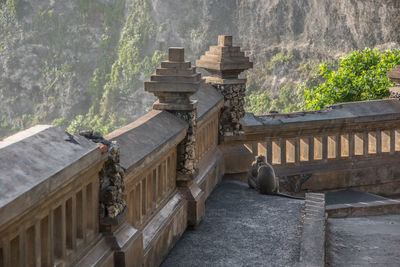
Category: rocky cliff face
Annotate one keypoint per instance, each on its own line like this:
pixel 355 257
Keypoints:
pixel 49 51
pixel 300 30
pixel 85 60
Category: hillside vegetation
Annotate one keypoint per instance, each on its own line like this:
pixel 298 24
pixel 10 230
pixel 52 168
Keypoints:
pixel 82 63
pixel 359 76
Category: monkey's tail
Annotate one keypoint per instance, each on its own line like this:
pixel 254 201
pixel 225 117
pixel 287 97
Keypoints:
pixel 288 196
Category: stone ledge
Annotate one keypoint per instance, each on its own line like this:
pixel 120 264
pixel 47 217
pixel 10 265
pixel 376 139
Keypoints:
pixel 164 230
pixel 98 254
pixel 312 243
pixel 380 207
pixel 209 101
pixel 211 172
pixel 167 132
pixel 38 162
pixel 342 117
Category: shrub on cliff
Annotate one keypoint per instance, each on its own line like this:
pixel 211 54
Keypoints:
pixel 360 76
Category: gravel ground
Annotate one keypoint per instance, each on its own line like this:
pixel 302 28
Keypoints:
pixel 242 228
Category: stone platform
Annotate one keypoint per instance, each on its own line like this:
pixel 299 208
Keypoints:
pixel 350 196
pixel 242 228
pixel 364 241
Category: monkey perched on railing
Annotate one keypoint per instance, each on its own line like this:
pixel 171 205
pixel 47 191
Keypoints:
pixel 262 178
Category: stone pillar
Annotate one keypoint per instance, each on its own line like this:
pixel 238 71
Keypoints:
pixel 173 84
pixel 394 76
pixel 225 62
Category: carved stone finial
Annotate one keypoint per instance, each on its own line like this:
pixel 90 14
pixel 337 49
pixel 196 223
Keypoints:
pixel 224 61
pixel 176 54
pixel 224 40
pixel 174 82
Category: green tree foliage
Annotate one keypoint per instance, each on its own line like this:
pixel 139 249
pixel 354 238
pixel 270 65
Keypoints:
pixel 360 76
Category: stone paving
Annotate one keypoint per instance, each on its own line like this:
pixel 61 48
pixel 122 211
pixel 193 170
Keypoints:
pixel 242 228
pixel 350 196
pixel 364 241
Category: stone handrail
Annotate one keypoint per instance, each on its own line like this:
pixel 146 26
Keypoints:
pixel 355 142
pixel 125 199
pixel 150 162
pixel 207 136
pixel 49 209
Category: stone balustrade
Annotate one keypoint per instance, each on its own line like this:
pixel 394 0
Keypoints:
pixel 149 183
pixel 207 137
pixel 53 219
pixel 52 184
pixel 342 146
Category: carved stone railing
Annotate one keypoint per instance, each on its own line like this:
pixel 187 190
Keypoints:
pixel 209 109
pixel 150 163
pixel 48 213
pixel 125 199
pixel 346 145
pixel 170 160
pixel 207 136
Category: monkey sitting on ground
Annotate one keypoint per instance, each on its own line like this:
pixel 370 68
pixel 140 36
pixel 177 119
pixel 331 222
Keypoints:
pixel 262 178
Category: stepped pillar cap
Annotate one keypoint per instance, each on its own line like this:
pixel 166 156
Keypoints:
pixel 174 82
pixel 394 75
pixel 224 61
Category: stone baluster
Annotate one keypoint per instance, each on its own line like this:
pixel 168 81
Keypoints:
pixel 225 62
pixel 394 76
pixel 173 84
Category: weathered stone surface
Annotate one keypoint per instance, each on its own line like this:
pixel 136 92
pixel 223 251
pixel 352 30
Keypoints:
pixel 112 185
pixel 233 109
pixel 187 162
pixel 36 162
pixel 111 176
pixel 395 92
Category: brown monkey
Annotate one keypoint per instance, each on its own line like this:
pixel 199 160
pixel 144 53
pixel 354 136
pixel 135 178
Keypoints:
pixel 262 178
